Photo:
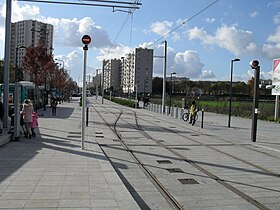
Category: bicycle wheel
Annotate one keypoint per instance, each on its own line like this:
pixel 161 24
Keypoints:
pixel 185 117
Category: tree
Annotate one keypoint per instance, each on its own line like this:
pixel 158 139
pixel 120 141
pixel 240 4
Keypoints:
pixel 11 73
pixel 157 85
pixel 38 63
pixel 251 86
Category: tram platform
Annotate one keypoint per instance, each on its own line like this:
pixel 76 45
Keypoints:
pixel 51 171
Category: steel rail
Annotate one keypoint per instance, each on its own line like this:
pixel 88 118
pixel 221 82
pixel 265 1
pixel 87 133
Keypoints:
pixel 208 173
pixel 149 174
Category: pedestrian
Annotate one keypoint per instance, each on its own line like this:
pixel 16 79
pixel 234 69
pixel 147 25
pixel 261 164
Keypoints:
pixel 193 113
pixel 1 117
pixel 54 105
pixel 34 123
pixel 27 111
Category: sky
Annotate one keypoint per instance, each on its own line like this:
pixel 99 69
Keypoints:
pixel 203 36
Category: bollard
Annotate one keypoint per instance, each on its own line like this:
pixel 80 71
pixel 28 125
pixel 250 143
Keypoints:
pixel 87 118
pixel 202 117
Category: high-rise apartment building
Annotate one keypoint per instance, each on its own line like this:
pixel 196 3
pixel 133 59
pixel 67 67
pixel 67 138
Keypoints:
pixel 28 33
pixel 137 71
pixel 112 74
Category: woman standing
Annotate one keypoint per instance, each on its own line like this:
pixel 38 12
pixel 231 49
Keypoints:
pixel 27 111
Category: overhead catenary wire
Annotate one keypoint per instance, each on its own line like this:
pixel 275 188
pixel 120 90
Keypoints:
pixel 64 2
pixel 179 26
pixel 183 23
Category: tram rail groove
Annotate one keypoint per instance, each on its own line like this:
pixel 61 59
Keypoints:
pixel 148 173
pixel 194 164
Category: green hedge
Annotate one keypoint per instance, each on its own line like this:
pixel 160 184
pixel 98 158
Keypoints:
pixel 124 102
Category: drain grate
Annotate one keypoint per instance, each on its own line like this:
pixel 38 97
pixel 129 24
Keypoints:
pixel 164 161
pixel 74 136
pixel 188 181
pixel 175 170
pixel 74 132
pixel 98 132
pixel 99 136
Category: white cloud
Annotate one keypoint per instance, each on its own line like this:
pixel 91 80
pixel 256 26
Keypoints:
pixel 276 18
pixel 230 38
pixel 210 20
pixel 163 28
pixel 115 52
pixel 187 64
pixel 207 74
pixel 253 14
pixel 67 32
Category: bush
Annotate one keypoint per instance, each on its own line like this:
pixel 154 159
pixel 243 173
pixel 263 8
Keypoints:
pixel 124 102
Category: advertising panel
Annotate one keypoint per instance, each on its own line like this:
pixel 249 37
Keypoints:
pixel 276 77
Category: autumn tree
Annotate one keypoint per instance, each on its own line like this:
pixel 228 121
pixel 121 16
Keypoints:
pixel 38 63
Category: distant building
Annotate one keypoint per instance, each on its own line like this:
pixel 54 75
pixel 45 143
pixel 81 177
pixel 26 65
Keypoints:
pixel 112 74
pixel 28 33
pixel 137 71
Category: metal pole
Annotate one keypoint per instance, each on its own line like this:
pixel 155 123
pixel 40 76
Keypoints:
pixel 136 97
pixel 202 117
pixel 230 98
pixel 276 113
pixel 255 104
pixel 103 82
pixel 96 85
pixel 16 108
pixel 170 93
pixel 7 62
pixel 84 96
pixel 164 77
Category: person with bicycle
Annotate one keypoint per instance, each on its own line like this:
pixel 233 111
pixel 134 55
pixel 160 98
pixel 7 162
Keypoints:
pixel 193 113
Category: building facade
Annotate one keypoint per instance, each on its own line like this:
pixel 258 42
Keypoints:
pixel 137 71
pixel 28 33
pixel 112 74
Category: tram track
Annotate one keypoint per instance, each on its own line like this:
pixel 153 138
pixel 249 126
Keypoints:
pixel 164 192
pixel 189 161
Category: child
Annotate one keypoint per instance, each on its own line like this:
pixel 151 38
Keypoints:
pixel 193 112
pixel 34 123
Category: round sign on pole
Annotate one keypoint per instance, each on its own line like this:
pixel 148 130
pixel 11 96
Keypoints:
pixel 86 39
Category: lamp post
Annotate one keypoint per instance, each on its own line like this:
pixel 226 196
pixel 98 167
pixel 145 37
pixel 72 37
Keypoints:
pixel 230 97
pixel 16 98
pixel 173 73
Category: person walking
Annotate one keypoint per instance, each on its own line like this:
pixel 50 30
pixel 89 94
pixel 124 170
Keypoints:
pixel 27 111
pixel 54 105
pixel 34 124
pixel 193 112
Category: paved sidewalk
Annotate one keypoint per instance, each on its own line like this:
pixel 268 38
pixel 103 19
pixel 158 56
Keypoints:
pixel 51 171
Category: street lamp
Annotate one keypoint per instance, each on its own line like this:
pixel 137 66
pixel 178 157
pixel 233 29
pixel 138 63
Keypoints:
pixel 230 98
pixel 16 98
pixel 173 73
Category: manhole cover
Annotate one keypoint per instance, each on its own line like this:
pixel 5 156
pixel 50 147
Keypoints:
pixel 164 161
pixel 188 181
pixel 175 170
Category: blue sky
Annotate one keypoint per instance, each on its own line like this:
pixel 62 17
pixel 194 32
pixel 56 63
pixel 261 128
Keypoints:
pixel 201 49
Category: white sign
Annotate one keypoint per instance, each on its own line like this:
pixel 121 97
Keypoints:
pixel 276 77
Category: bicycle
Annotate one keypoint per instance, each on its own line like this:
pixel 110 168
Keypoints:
pixel 186 116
